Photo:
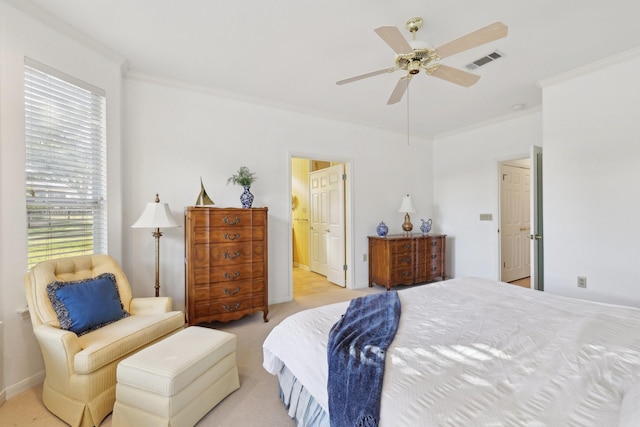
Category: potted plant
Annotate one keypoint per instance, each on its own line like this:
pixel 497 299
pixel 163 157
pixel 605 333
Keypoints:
pixel 245 178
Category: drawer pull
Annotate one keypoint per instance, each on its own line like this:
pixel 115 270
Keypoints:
pixel 435 243
pixel 406 246
pixel 434 269
pixel 231 277
pixel 227 255
pixel 405 260
pixel 227 221
pixel 233 291
pixel 231 307
pixel 228 236
pixel 434 256
pixel 405 273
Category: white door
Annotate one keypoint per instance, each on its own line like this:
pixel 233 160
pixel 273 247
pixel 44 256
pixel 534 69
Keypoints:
pixel 515 222
pixel 327 236
pixel 318 223
pixel 537 247
pixel 335 239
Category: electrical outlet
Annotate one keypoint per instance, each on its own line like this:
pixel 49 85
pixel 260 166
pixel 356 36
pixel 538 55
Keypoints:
pixel 582 282
pixel 364 257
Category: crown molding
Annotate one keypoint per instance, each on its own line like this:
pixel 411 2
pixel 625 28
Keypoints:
pixel 29 8
pixel 589 68
pixel 201 89
pixel 504 118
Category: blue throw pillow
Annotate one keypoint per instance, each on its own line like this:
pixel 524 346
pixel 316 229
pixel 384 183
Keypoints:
pixel 86 305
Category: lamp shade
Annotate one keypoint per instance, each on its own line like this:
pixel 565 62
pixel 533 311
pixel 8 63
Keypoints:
pixel 407 205
pixel 156 215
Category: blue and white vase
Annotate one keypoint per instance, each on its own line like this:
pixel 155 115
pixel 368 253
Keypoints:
pixel 425 227
pixel 382 229
pixel 246 198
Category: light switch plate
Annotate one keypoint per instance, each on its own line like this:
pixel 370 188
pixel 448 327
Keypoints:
pixel 582 282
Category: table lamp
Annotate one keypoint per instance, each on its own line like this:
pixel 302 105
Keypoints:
pixel 407 207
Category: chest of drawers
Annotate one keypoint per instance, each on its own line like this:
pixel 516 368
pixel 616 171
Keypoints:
pixel 406 260
pixel 226 263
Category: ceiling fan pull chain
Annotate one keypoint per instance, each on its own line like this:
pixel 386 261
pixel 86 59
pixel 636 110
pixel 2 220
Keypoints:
pixel 408 116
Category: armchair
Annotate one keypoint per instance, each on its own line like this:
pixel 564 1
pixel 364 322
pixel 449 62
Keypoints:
pixel 80 370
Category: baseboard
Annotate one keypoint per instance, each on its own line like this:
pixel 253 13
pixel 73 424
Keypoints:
pixel 3 397
pixel 301 266
pixel 24 385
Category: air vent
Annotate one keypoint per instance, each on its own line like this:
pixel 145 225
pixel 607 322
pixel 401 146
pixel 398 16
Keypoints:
pixel 495 55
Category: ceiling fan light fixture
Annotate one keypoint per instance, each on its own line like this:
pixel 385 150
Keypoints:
pixel 413 67
pixel 425 62
pixel 431 68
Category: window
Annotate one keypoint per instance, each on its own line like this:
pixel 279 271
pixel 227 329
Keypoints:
pixel 65 165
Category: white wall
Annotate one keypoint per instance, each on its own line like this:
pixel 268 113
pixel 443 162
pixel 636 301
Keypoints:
pixel 175 135
pixel 591 182
pixel 22 36
pixel 466 177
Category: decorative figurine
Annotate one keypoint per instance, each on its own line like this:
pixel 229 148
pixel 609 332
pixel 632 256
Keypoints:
pixel 203 198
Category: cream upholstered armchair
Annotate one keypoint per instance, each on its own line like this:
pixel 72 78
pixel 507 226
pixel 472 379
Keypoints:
pixel 109 325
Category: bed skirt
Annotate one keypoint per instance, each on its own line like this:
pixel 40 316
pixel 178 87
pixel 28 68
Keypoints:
pixel 300 404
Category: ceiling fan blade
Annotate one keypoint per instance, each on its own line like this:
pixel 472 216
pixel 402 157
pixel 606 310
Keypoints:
pixel 456 76
pixel 399 90
pixel 364 76
pixel 487 34
pixel 394 38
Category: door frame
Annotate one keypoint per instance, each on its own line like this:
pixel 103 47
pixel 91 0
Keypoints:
pixel 537 218
pixel 348 214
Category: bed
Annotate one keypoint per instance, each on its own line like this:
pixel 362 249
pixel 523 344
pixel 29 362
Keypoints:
pixel 476 352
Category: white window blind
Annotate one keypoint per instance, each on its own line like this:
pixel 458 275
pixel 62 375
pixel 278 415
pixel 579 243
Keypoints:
pixel 65 131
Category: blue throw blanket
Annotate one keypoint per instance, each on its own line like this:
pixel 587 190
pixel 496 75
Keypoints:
pixel 356 352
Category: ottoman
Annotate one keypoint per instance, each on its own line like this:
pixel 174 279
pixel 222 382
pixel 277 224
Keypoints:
pixel 176 381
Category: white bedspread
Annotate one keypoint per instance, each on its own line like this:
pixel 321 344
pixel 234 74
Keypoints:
pixel 474 352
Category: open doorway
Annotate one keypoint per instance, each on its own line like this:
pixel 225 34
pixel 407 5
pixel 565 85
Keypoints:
pixel 521 221
pixel 318 225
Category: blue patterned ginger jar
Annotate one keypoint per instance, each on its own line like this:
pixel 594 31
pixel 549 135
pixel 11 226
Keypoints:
pixel 382 229
pixel 426 226
pixel 246 198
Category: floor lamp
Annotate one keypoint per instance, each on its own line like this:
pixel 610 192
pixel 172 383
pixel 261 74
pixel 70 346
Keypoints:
pixel 156 215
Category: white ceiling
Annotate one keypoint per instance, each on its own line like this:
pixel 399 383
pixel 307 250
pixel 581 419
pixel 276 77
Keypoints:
pixel 291 53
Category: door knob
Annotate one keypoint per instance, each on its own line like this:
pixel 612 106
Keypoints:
pixel 535 237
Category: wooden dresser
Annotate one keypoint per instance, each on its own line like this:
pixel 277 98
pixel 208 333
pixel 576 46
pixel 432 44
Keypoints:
pixel 225 263
pixel 406 260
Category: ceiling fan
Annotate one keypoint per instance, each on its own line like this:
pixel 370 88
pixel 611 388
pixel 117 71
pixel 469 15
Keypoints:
pixel 415 55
